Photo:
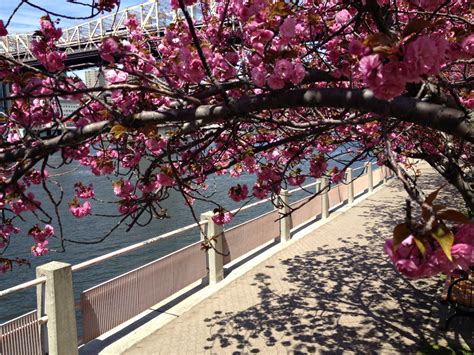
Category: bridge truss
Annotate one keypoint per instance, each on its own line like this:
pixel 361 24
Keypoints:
pixel 82 40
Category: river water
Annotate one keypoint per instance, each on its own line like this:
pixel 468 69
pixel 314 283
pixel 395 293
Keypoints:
pixel 92 228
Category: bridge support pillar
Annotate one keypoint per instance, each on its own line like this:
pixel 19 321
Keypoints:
pixel 215 254
pixel 56 301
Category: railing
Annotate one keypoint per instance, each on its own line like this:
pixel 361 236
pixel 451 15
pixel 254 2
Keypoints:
pixel 114 302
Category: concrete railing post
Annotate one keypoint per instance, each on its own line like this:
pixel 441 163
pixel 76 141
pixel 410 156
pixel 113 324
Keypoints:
pixel 324 197
pixel 370 176
pixel 350 186
pixel 215 254
pixel 317 187
pixel 285 217
pixel 57 303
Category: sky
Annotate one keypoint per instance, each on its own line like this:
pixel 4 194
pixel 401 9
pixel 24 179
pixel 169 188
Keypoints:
pixel 27 17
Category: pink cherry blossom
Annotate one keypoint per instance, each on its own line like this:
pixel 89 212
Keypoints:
pixel 40 249
pixel 163 180
pixel 393 80
pixel 221 217
pixel 287 29
pixel 343 16
pixel 108 49
pixel 296 180
pixel 468 45
pixel 123 188
pixel 116 76
pixel 4 267
pixel 357 48
pixel 83 191
pixel 408 259
pixel 424 55
pixel 3 30
pixel 318 167
pixel 6 230
pixel 283 69
pixel 275 82
pixel 106 5
pixel 25 204
pixel 465 234
pixel 259 75
pixel 155 145
pixel 36 177
pixel 298 74
pixel 370 68
pixel 239 192
pixel 78 210
pixel 428 5
pixel 336 175
pixel 41 234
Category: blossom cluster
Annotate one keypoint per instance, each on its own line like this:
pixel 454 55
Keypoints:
pixel 238 54
pixel 409 261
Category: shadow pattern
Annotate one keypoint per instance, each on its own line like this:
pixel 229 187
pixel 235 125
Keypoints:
pixel 338 299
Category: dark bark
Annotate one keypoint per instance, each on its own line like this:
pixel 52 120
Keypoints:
pixel 438 117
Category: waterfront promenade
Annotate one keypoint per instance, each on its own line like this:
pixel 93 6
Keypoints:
pixel 330 291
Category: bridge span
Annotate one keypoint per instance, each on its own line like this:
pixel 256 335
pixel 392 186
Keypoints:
pixel 81 41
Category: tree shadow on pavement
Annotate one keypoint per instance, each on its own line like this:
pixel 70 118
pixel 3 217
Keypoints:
pixel 338 299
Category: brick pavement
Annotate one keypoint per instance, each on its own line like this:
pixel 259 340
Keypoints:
pixel 333 291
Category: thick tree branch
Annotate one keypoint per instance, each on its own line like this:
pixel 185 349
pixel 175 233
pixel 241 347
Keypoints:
pixel 448 120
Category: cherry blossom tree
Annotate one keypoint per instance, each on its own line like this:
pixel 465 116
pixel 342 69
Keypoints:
pixel 281 90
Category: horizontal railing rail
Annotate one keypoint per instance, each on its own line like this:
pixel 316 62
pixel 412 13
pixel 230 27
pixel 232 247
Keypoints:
pixel 185 266
pixel 137 246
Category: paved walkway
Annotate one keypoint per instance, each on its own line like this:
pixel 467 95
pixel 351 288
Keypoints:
pixel 332 291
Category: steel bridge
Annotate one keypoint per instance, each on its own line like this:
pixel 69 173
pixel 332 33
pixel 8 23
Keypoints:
pixel 81 42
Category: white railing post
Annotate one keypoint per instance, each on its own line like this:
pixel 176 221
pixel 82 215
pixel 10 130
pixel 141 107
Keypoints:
pixel 324 197
pixel 370 176
pixel 215 254
pixel 285 216
pixel 57 303
pixel 350 186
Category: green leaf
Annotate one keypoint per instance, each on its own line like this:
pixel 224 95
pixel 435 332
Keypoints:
pixel 445 238
pixel 454 216
pixel 118 130
pixel 432 196
pixel 379 39
pixel 415 26
pixel 420 245
pixel 280 8
pixel 400 233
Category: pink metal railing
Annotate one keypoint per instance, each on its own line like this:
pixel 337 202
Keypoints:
pixel 21 336
pixel 309 209
pixel 115 301
pixel 337 195
pixel 112 303
pixel 377 176
pixel 247 236
pixel 360 184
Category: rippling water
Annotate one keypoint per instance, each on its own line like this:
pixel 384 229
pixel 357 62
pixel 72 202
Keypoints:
pixel 93 228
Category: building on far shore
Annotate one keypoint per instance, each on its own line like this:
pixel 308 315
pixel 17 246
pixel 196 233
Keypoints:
pixel 94 78
pixel 68 106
